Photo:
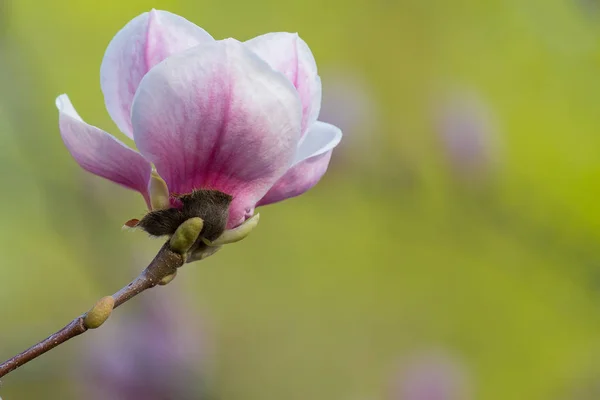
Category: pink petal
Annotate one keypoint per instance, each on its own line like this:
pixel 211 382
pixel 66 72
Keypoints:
pixel 218 117
pixel 144 42
pixel 311 162
pixel 289 54
pixel 101 153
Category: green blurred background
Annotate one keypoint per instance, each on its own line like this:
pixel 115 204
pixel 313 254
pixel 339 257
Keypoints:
pixel 459 216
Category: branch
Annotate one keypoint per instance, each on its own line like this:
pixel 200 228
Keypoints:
pixel 160 271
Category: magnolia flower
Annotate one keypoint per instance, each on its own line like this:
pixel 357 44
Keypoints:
pixel 235 118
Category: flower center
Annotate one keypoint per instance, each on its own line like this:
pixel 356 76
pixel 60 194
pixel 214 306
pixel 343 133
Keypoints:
pixel 210 205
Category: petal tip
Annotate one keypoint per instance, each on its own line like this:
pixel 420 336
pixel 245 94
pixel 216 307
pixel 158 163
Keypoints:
pixel 61 101
pixel 153 15
pixel 338 134
pixel 64 106
pixel 321 138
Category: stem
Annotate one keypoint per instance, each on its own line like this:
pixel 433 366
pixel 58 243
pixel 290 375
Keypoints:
pixel 165 263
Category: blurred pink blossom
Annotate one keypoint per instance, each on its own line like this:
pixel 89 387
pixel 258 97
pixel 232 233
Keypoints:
pixel 468 134
pixel 155 352
pixel 432 376
pixel 349 102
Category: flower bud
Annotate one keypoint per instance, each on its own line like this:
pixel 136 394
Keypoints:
pixel 186 235
pixel 99 313
pixel 168 279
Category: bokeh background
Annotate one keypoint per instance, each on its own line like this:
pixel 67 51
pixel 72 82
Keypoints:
pixel 450 253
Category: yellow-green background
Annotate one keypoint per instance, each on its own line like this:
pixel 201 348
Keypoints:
pixel 389 256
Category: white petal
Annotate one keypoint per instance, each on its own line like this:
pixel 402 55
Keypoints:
pixel 320 138
pixel 144 42
pixel 289 54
